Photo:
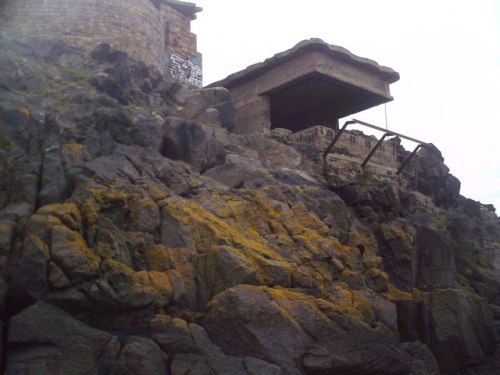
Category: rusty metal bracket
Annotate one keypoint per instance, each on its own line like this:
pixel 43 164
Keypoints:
pixel 388 131
pixel 407 160
pixel 376 147
pixel 337 137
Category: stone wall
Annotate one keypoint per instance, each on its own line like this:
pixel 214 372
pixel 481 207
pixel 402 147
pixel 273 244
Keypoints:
pixel 135 26
pixel 343 163
pixel 159 36
pixel 353 144
pixel 182 60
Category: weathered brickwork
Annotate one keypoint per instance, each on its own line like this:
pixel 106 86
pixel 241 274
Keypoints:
pixel 182 59
pixel 342 166
pixel 352 144
pixel 138 27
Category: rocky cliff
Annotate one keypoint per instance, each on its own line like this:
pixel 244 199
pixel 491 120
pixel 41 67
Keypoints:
pixel 138 235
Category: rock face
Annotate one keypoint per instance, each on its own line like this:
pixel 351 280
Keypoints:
pixel 138 235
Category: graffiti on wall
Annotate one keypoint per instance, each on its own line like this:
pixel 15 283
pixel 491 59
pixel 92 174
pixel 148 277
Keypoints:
pixel 184 69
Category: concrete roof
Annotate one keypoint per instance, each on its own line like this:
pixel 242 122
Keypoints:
pixel 386 74
pixel 186 8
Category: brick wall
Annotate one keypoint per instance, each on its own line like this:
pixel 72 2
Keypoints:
pixel 157 36
pixel 135 26
pixel 181 60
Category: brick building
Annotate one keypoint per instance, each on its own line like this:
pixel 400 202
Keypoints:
pixel 154 31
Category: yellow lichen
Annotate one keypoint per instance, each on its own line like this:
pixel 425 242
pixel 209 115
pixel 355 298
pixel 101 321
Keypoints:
pixel 68 213
pixel 25 111
pixel 363 305
pixel 72 150
pixel 158 259
pixel 394 293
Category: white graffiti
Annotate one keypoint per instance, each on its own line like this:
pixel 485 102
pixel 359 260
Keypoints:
pixel 184 69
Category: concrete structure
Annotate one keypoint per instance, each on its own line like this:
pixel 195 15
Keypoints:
pixel 314 83
pixel 154 31
pixel 353 146
pixel 354 158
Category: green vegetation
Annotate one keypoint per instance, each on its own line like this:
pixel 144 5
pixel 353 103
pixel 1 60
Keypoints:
pixel 5 143
pixel 366 182
pixel 439 220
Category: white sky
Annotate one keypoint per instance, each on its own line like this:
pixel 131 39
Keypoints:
pixel 447 52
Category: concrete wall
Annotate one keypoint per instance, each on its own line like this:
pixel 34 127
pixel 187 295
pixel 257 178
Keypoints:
pixel 246 95
pixel 252 91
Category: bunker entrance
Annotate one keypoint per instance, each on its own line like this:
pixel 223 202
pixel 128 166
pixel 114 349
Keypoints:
pixel 317 99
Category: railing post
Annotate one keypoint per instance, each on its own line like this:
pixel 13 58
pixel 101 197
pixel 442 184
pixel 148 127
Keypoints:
pixel 407 160
pixel 374 149
pixel 337 136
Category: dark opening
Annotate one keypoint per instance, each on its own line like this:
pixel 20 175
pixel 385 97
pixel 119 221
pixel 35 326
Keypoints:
pixel 317 100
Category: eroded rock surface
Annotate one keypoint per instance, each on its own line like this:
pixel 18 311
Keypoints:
pixel 139 235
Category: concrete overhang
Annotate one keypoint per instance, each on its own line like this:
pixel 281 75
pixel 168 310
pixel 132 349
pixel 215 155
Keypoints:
pixel 318 98
pixel 312 83
pixel 186 8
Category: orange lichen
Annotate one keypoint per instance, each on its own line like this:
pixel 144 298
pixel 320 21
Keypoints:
pixel 394 293
pixel 68 213
pixel 73 150
pixel 25 111
pixel 158 258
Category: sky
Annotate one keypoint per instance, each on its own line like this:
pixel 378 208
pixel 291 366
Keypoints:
pixel 446 51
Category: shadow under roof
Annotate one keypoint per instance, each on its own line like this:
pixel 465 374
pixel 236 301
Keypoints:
pixel 313 83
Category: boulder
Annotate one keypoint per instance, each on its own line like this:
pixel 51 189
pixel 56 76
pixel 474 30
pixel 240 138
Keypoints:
pixel 201 146
pixel 44 339
pixel 141 355
pixel 436 259
pixel 398 248
pixel 283 327
pixel 459 329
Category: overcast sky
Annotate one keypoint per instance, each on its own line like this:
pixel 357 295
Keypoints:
pixel 447 52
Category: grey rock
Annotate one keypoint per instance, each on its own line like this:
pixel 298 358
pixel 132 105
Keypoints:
pixel 253 318
pixel 240 172
pixel 54 187
pixel 112 167
pixel 218 98
pixel 421 359
pixel 69 251
pixel 142 355
pixel 44 339
pixel 436 268
pixel 399 251
pixel 459 328
pixel 194 106
pixel 175 337
pixel 6 233
pixel 198 145
pixel 215 95
pixel 257 367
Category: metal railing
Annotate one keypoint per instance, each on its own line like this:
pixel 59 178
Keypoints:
pixel 387 133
